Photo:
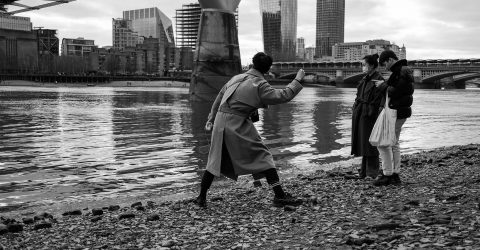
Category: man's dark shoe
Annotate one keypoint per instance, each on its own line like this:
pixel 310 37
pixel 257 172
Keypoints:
pixel 383 180
pixel 287 200
pixel 257 183
pixel 396 179
pixel 201 202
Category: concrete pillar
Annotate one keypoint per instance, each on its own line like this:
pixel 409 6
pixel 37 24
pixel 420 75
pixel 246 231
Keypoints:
pixel 339 77
pixel 217 54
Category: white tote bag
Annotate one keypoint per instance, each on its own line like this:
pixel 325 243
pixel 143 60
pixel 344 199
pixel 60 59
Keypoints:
pixel 383 132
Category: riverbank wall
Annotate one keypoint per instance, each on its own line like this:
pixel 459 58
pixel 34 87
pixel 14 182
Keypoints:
pixel 153 83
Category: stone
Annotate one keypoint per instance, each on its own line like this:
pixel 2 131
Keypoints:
pixel 73 212
pixel 42 225
pixel 153 217
pixel 3 229
pixel 413 203
pixel 136 204
pixel 28 220
pixel 42 216
pixel 113 208
pixel 97 211
pixel 168 243
pixel 217 199
pixel 289 208
pixel 15 228
pixel 385 226
pixel 96 218
pixel 140 208
pixel 126 216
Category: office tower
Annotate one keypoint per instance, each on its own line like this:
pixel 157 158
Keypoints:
pixel 123 35
pixel 355 51
pixel 187 20
pixel 153 23
pixel 279 28
pixel 330 26
pixel 301 48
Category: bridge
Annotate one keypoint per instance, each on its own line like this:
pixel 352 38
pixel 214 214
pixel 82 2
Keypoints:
pixel 428 74
pixel 21 7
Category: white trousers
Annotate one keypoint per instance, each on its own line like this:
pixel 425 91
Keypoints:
pixel 390 156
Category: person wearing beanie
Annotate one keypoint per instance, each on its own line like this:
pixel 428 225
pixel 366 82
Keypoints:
pixel 400 91
pixel 236 147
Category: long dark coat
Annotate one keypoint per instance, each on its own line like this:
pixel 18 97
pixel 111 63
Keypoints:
pixel 237 148
pixel 365 112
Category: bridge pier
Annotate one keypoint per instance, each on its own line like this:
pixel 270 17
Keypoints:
pixel 339 80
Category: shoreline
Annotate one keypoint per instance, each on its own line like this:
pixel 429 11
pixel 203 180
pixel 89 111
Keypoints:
pixel 127 84
pixel 437 206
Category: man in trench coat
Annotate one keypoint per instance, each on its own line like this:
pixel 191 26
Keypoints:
pixel 236 147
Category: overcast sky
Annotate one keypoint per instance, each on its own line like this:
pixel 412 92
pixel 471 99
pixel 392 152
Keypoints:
pixel 430 29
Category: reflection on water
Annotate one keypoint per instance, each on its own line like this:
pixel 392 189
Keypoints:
pixel 60 144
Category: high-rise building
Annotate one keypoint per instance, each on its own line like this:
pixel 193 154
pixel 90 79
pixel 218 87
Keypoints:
pixel 355 51
pixel 77 47
pixel 153 23
pixel 279 28
pixel 309 54
pixel 330 26
pixel 187 20
pixel 123 34
pixel 18 23
pixel 301 48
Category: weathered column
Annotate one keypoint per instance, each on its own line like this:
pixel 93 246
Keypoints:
pixel 217 54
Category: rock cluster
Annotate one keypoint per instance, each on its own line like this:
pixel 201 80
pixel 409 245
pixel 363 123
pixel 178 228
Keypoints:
pixel 435 207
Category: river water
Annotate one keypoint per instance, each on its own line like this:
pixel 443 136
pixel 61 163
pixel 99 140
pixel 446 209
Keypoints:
pixel 71 144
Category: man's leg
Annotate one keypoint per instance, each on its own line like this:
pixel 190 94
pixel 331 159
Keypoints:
pixel 372 166
pixel 207 180
pixel 396 147
pixel 386 155
pixel 256 179
pixel 274 181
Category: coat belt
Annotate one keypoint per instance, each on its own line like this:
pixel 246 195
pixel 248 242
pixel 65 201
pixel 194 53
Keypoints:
pixel 233 111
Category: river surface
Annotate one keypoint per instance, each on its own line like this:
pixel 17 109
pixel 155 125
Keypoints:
pixel 74 144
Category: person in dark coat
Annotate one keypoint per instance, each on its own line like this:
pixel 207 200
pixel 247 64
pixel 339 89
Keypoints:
pixel 400 91
pixel 365 113
pixel 236 147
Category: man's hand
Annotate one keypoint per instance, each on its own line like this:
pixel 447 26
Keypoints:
pixel 208 126
pixel 300 75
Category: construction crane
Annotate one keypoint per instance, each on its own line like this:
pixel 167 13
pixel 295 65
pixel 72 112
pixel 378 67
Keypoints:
pixel 24 8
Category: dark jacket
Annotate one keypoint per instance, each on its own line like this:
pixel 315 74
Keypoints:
pixel 364 114
pixel 400 89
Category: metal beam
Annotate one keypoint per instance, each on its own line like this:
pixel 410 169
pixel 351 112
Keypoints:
pixel 41 6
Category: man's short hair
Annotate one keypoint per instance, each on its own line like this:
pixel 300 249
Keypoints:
pixel 262 62
pixel 386 55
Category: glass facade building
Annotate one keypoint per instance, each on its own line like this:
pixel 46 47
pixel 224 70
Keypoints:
pixel 123 34
pixel 153 23
pixel 279 28
pixel 330 26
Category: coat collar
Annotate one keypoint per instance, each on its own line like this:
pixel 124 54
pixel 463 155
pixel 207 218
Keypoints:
pixel 255 72
pixel 398 65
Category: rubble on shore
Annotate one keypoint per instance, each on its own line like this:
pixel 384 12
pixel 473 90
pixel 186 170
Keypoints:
pixel 435 207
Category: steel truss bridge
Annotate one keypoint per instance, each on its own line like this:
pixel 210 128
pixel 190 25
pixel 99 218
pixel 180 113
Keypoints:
pixel 431 74
pixel 21 6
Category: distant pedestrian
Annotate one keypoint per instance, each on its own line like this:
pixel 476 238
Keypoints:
pixel 400 91
pixel 236 147
pixel 364 114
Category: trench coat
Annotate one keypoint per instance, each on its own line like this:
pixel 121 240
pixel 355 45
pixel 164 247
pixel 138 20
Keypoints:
pixel 236 147
pixel 365 112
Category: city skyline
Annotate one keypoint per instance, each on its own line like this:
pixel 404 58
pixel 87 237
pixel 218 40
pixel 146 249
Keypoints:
pixel 430 29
